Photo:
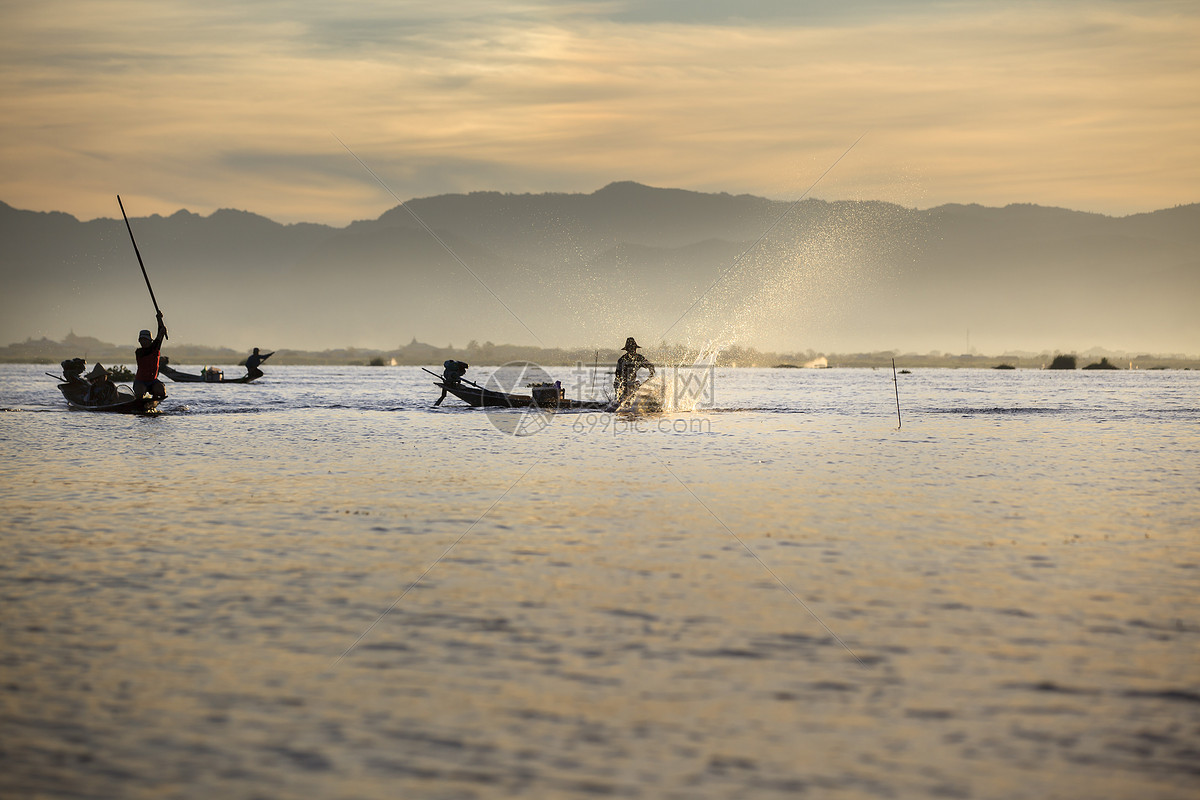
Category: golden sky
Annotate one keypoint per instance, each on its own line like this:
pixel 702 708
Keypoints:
pixel 203 105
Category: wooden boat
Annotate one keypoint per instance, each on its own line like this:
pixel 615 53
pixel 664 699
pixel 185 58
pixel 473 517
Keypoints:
pixel 125 403
pixel 480 397
pixel 548 396
pixel 208 376
pixel 97 392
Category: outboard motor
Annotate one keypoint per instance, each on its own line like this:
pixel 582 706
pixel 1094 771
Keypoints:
pixel 453 371
pixel 73 369
pixel 74 387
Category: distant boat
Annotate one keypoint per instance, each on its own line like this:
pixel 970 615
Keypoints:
pixel 1062 362
pixel 208 375
pixel 1103 364
pixel 820 362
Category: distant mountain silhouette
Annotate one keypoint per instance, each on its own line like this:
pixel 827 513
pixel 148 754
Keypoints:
pixel 589 269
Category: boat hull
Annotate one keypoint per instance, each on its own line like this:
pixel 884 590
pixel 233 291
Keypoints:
pixel 479 397
pixel 187 377
pixel 127 405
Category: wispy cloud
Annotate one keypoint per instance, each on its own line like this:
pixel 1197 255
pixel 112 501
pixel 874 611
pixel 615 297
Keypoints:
pixel 221 104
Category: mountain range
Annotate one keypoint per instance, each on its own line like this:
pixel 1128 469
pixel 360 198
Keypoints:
pixel 587 270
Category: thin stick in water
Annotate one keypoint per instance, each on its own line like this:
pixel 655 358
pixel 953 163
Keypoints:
pixel 595 369
pixel 896 382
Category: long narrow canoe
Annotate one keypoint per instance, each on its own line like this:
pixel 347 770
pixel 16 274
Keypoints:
pixel 479 396
pixel 188 377
pixel 126 404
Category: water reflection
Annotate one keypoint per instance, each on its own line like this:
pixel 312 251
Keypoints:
pixel 1015 568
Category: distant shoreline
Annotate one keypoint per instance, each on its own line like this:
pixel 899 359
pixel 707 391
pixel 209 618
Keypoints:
pixel 416 354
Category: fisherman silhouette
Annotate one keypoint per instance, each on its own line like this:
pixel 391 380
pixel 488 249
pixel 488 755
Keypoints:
pixel 94 389
pixel 625 381
pixel 101 389
pixel 252 362
pixel 148 356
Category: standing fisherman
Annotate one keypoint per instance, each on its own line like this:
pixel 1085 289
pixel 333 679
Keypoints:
pixel 148 356
pixel 625 381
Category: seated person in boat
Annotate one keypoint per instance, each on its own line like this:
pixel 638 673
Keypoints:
pixel 101 390
pixel 94 389
pixel 625 382
pixel 148 354
pixel 452 373
pixel 252 362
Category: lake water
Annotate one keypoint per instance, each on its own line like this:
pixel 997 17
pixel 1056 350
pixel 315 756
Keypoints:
pixel 318 586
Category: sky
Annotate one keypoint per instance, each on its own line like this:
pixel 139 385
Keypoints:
pixel 271 106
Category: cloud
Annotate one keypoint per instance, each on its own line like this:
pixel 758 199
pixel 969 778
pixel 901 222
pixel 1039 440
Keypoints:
pixel 209 105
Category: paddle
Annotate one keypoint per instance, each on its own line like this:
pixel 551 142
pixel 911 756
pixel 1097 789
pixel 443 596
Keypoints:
pixel 140 263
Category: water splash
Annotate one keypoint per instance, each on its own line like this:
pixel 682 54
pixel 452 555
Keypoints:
pixel 684 383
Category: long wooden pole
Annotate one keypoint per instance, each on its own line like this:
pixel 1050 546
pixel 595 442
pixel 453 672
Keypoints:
pixel 139 257
pixel 595 369
pixel 896 381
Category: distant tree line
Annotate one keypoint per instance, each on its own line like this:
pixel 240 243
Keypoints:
pixel 415 353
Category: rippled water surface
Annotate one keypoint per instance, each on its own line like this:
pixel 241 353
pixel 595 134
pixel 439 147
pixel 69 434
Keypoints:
pixel 318 586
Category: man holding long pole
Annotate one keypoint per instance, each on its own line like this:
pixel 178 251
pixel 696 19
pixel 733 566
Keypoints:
pixel 148 356
pixel 149 353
